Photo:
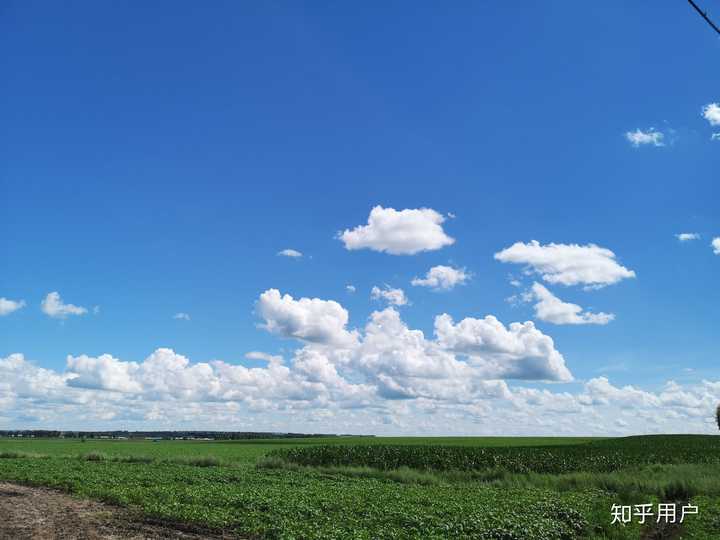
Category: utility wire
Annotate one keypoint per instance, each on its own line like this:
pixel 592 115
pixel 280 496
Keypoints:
pixel 704 16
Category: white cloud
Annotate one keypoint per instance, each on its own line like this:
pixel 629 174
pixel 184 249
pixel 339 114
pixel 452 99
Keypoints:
pixel 181 316
pixel 292 253
pixel 309 319
pixel 711 113
pixel 395 297
pixel 600 391
pixel 686 237
pixel 442 278
pixel 350 288
pixel 53 306
pixel 103 372
pixel 716 245
pixel 410 386
pixel 568 264
pixel 550 308
pixel 715 137
pixel 639 137
pixel 8 306
pixel 402 364
pixel 270 358
pixel 519 351
pixel 404 232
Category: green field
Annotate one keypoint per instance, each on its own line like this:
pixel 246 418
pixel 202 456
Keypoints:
pixel 504 488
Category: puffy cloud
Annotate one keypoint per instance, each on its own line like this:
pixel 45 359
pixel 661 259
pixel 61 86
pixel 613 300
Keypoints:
pixel 309 319
pixel 686 237
pixel 716 245
pixel 292 253
pixel 641 138
pixel 8 306
pixel 165 375
pixel 181 316
pixel 404 232
pixel 519 351
pixel 711 113
pixel 442 278
pixel 19 378
pixel 54 307
pixel 550 308
pixel 403 364
pixel 350 288
pixel 600 391
pixel 568 264
pixel 411 385
pixel 103 372
pixel 395 297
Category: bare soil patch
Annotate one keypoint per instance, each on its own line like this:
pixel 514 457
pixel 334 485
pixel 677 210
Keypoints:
pixel 45 514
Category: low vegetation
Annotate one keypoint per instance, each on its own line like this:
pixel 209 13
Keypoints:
pixel 600 456
pixel 479 488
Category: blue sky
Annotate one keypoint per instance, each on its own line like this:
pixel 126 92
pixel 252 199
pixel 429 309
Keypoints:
pixel 157 159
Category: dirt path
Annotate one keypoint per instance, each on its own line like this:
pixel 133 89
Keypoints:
pixel 44 514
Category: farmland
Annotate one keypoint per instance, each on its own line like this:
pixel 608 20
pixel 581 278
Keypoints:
pixel 386 487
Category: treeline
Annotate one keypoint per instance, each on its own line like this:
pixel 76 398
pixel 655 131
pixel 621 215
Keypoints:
pixel 224 435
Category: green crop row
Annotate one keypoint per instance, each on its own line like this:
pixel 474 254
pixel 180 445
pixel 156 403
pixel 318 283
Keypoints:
pixel 286 504
pixel 600 456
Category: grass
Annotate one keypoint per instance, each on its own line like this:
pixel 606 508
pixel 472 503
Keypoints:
pixel 251 489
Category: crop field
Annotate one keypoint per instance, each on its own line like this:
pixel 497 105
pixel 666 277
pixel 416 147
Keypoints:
pixel 500 488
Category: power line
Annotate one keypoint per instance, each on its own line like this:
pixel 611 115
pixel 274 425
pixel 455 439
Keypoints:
pixel 704 16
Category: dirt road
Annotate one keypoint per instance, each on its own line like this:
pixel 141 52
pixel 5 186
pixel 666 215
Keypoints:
pixel 44 514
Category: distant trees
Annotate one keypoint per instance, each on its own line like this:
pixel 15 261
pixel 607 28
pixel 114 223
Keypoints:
pixel 717 416
pixel 225 435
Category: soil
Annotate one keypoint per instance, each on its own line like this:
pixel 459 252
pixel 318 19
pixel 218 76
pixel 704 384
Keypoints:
pixel 45 514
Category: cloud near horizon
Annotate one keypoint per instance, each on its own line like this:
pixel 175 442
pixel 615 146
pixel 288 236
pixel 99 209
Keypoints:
pixel 403 395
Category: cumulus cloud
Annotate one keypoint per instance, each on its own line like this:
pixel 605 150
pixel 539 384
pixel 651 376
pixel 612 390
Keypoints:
pixel 404 232
pixel 402 364
pixel 641 138
pixel 350 288
pixel 292 253
pixel 711 113
pixel 404 383
pixel 599 391
pixel 396 362
pixel 686 237
pixel 395 297
pixel 103 372
pixel 309 319
pixel 716 245
pixel 8 306
pixel 519 351
pixel 54 307
pixel 550 308
pixel 442 278
pixel 181 316
pixel 567 264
